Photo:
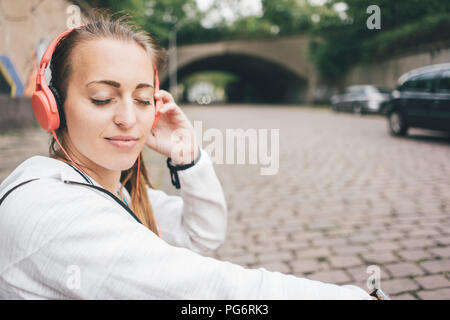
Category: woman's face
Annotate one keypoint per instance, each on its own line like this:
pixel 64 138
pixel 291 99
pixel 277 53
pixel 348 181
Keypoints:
pixel 110 94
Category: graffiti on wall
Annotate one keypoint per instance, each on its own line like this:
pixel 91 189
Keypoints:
pixel 10 80
pixel 36 56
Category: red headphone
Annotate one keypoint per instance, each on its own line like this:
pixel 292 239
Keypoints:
pixel 47 104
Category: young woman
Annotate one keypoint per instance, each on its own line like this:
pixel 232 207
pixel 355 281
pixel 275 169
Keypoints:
pixel 118 238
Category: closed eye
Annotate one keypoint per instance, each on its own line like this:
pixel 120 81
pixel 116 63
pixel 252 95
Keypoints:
pixel 100 102
pixel 144 102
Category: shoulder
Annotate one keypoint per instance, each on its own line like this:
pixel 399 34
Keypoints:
pixel 36 212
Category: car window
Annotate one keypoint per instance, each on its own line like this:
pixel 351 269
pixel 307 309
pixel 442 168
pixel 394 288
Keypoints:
pixel 444 82
pixel 422 82
pixel 355 89
pixel 384 90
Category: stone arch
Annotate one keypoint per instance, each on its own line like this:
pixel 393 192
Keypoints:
pixel 261 80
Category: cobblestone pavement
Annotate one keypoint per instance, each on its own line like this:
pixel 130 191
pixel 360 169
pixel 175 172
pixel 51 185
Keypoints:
pixel 347 196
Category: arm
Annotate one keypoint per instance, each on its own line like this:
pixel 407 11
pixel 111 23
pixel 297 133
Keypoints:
pixel 78 245
pixel 198 218
pixel 118 258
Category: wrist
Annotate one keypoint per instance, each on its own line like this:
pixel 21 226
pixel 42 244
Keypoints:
pixel 174 168
pixel 194 156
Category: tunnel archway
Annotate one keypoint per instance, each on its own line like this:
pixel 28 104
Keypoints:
pixel 259 80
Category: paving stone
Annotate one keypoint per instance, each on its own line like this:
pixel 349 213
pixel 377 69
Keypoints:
pixel 423 233
pixel 433 282
pixel 335 276
pixel 443 252
pixel 387 235
pixel 330 241
pixel 301 266
pixel 439 294
pixel 403 296
pixel 313 253
pixel 345 261
pixel 275 257
pixel 404 269
pixel 362 273
pixel 442 239
pixel 292 245
pixel 398 285
pixel 417 243
pixel 435 266
pixel 384 246
pixel 252 247
pixel 362 238
pixel 379 257
pixel 349 250
pixel 414 254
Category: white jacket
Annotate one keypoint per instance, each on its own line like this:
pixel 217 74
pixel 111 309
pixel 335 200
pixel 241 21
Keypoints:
pixel 64 241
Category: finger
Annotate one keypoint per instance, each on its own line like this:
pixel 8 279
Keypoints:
pixel 165 96
pixel 168 107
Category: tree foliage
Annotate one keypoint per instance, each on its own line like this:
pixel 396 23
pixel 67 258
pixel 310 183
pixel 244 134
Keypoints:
pixel 405 24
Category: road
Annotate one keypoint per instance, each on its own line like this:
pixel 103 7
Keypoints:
pixel 346 196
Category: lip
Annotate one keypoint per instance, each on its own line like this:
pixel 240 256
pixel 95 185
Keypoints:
pixel 122 142
pixel 124 138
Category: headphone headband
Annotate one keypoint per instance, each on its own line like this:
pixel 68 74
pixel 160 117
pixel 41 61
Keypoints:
pixel 51 48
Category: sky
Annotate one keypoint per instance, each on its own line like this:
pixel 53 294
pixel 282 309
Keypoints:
pixel 247 8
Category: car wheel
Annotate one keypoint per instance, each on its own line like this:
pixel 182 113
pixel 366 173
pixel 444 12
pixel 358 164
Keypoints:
pixel 397 124
pixel 357 109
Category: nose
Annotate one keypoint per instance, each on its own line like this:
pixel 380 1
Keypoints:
pixel 125 114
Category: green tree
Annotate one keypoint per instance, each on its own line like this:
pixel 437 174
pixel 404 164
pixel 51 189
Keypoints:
pixel 338 44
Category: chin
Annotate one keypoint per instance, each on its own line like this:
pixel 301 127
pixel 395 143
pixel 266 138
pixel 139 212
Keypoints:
pixel 120 161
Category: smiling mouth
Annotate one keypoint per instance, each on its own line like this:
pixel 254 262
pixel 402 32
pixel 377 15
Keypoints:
pixel 122 143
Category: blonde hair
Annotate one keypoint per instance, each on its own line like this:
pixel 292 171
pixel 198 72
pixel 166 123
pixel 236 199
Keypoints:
pixel 101 24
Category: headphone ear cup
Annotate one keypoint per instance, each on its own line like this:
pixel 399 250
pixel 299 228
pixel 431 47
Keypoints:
pixel 42 111
pixel 59 104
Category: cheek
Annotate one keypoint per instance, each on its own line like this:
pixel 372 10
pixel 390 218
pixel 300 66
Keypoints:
pixel 146 119
pixel 85 126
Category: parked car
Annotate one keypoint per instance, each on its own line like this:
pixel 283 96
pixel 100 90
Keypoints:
pixel 421 100
pixel 361 99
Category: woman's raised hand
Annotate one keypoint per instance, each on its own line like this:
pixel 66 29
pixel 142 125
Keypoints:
pixel 173 135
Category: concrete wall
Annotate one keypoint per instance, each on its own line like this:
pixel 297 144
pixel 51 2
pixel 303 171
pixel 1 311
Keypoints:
pixel 386 73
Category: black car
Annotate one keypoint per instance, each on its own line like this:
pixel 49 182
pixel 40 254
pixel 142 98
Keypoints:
pixel 361 99
pixel 421 100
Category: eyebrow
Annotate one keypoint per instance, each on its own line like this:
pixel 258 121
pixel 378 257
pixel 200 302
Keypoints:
pixel 117 85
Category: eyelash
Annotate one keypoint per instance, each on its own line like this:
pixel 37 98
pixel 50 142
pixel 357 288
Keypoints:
pixel 103 102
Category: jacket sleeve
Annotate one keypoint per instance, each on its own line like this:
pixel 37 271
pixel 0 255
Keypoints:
pixel 197 219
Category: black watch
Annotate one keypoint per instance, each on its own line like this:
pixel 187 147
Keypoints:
pixel 175 168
